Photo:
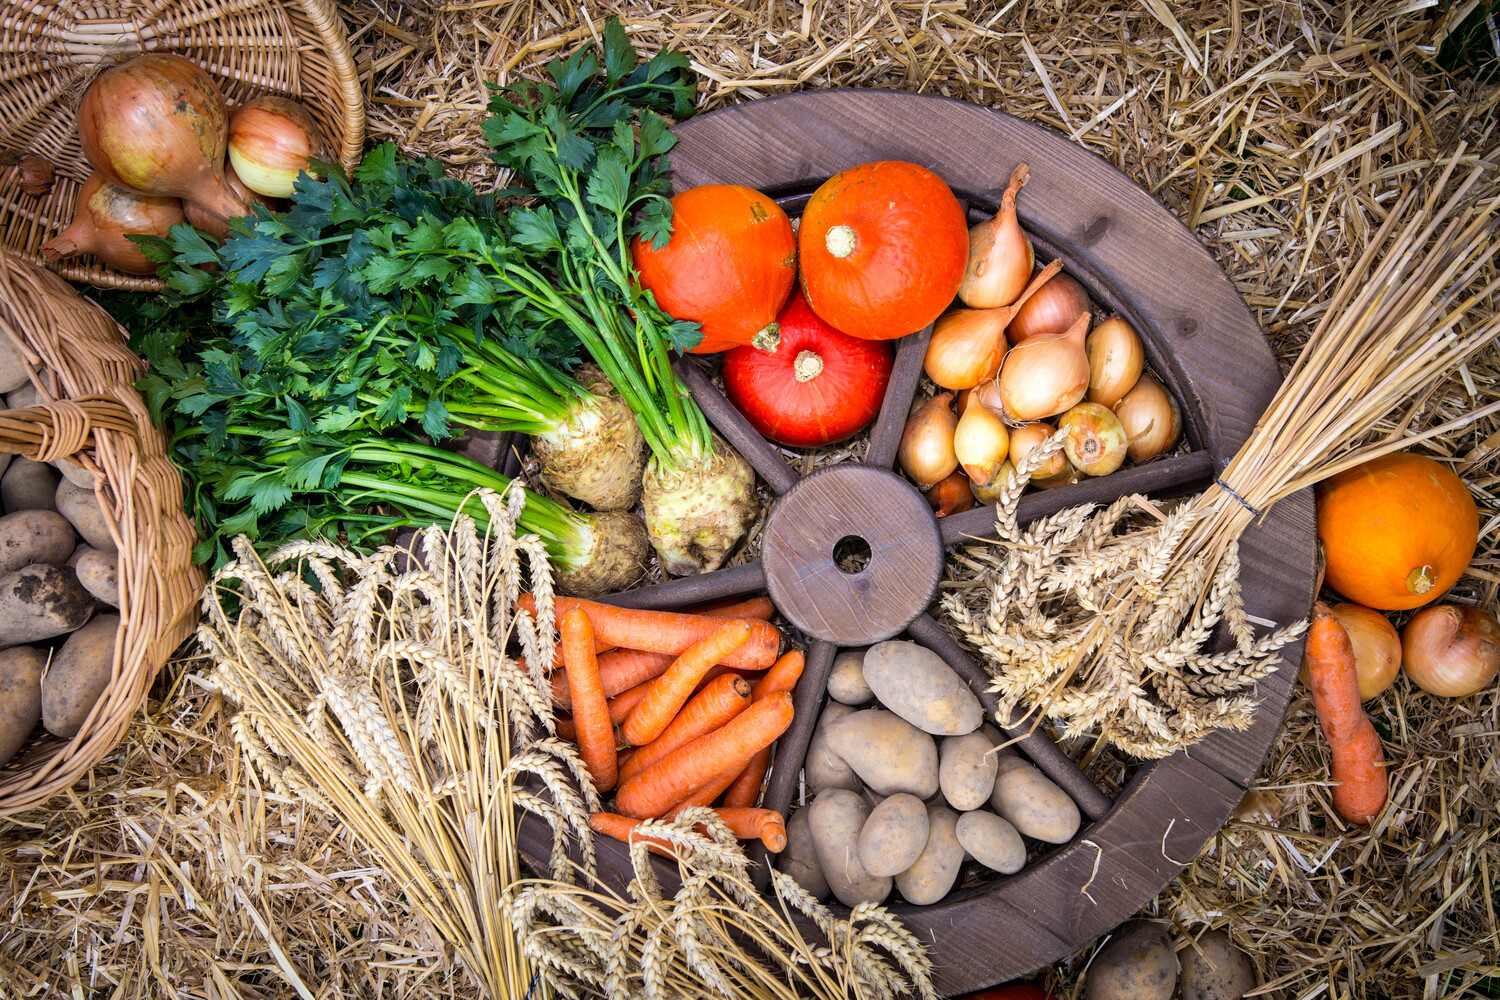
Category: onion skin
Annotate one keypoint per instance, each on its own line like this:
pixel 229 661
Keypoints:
pixel 1054 308
pixel 1376 645
pixel 991 492
pixel 1000 254
pixel 981 443
pixel 270 141
pixel 1096 440
pixel 1045 375
pixel 1116 359
pixel 104 215
pixel 966 347
pixel 157 124
pixel 926 450
pixel 33 172
pixel 1026 439
pixel 1151 419
pixel 953 495
pixel 1451 651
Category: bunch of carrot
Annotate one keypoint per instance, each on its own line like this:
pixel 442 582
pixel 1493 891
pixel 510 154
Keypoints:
pixel 664 710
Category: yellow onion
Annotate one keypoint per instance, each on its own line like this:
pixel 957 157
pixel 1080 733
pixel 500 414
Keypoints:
pixel 1096 442
pixel 1451 651
pixel 104 214
pixel 1151 419
pixel 1115 361
pixel 1377 648
pixel 926 450
pixel 991 491
pixel 1026 439
pixel 1054 308
pixel 270 141
pixel 953 495
pixel 967 344
pixel 1000 255
pixel 157 124
pixel 981 443
pixel 1045 375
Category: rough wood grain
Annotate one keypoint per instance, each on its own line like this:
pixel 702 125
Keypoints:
pixel 859 501
pixel 906 372
pixel 674 595
pixel 728 421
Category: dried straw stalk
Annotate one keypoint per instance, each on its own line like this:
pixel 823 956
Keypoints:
pixel 1102 629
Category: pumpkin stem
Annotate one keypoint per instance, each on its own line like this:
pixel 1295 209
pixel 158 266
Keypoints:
pixel 767 338
pixel 840 241
pixel 1420 580
pixel 807 367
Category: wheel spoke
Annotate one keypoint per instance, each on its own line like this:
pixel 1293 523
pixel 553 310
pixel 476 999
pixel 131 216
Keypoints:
pixel 1045 754
pixel 674 595
pixel 729 422
pixel 791 747
pixel 1155 478
pixel 885 436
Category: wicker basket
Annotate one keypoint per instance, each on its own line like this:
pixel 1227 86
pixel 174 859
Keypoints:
pixel 92 414
pixel 50 50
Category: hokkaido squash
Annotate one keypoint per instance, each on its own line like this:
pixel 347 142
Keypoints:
pixel 1397 531
pixel 730 265
pixel 883 247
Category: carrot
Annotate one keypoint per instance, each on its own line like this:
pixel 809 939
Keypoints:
pixel 566 730
pixel 783 676
pixel 688 768
pixel 706 711
pixel 754 607
pixel 705 794
pixel 619 670
pixel 623 828
pixel 765 825
pixel 671 690
pixel 1358 762
pixel 666 631
pixel 596 734
pixel 622 704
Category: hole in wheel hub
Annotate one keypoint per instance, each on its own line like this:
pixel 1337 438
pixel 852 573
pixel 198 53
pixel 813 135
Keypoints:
pixel 852 554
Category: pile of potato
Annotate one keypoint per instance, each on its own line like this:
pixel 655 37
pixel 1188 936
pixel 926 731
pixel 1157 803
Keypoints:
pixel 59 588
pixel 1138 963
pixel 892 804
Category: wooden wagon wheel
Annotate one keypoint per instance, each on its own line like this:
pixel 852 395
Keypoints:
pixel 1135 257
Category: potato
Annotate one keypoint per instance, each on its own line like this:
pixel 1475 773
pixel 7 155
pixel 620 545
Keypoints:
pixel 20 399
pixel 888 753
pixel 1136 964
pixel 836 817
pixel 99 572
pixel 936 869
pixel 81 507
pixel 916 684
pixel 1032 804
pixel 991 841
pixel 74 473
pixel 823 768
pixel 800 858
pixel 79 551
pixel 846 679
pixel 40 601
pixel 35 536
pixel 893 837
pixel 966 769
pixel 28 485
pixel 13 373
pixel 20 697
pixel 1214 969
pixel 78 676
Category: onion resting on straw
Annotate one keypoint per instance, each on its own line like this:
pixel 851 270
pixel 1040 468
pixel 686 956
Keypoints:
pixel 1157 591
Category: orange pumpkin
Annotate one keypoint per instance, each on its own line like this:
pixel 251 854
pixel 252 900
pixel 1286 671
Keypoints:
pixel 730 265
pixel 1397 531
pixel 883 247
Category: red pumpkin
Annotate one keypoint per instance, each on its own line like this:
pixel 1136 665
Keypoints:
pixel 730 265
pixel 883 247
pixel 819 386
pixel 1011 991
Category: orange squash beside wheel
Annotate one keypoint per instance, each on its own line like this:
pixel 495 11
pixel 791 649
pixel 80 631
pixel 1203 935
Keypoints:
pixel 1397 531
pixel 883 248
pixel 730 265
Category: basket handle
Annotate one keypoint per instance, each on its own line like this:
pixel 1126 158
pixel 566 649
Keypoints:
pixel 49 431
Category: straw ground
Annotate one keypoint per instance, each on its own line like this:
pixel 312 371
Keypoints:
pixel 170 872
